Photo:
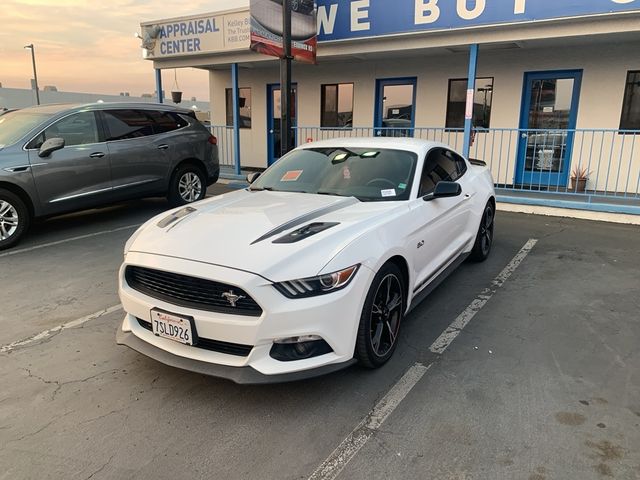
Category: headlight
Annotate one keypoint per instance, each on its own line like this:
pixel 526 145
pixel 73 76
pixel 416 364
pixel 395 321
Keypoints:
pixel 320 285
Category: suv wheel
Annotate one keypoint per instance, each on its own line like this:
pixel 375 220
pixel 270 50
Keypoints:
pixel 14 219
pixel 188 185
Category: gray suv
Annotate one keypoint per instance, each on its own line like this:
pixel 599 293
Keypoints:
pixel 59 158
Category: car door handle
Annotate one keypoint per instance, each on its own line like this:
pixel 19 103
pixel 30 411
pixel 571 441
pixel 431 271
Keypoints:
pixel 164 146
pixel 97 155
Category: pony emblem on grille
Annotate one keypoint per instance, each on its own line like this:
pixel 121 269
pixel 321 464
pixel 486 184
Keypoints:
pixel 232 298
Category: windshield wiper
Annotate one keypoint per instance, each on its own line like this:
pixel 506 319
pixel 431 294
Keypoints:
pixel 271 189
pixel 327 192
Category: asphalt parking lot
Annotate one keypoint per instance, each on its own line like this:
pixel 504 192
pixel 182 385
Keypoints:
pixel 542 383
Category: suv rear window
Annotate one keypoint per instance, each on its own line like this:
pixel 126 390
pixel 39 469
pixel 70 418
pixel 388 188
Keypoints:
pixel 127 124
pixel 164 122
pixel 132 123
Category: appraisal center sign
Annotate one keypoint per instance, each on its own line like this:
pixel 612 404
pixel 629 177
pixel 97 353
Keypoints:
pixel 196 35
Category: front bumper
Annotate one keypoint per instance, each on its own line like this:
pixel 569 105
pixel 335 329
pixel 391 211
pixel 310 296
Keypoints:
pixel 332 317
pixel 240 375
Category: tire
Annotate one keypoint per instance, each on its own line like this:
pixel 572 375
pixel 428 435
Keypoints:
pixel 484 237
pixel 15 219
pixel 385 325
pixel 188 184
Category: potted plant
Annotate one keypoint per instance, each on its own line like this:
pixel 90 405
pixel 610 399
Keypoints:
pixel 579 177
pixel 176 94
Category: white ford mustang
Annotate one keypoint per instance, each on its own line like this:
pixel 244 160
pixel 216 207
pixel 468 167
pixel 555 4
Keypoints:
pixel 311 268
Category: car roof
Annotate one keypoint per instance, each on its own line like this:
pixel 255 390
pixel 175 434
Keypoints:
pixel 398 143
pixel 55 108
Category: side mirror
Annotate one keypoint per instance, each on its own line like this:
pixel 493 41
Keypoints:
pixel 252 177
pixel 444 190
pixel 50 146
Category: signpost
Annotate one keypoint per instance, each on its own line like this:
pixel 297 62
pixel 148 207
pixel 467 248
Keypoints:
pixel 285 79
pixel 288 30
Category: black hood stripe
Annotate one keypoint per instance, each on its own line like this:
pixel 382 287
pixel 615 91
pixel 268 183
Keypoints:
pixel 307 217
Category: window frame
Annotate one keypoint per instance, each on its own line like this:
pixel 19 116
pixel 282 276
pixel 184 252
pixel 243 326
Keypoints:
pixel 105 128
pixel 177 118
pixel 475 127
pixel 458 160
pixel 107 131
pixel 228 101
pixel 99 127
pixel 627 88
pixel 322 105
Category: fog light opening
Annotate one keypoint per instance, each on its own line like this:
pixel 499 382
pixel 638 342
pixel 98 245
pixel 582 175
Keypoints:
pixel 304 338
pixel 299 348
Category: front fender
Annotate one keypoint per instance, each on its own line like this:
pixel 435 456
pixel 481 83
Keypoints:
pixel 373 249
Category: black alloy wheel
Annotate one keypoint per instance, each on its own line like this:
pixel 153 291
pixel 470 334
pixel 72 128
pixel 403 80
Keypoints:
pixel 381 317
pixel 484 238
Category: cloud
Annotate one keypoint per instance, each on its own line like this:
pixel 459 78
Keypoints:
pixel 90 46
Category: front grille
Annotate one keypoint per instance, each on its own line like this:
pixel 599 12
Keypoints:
pixel 190 292
pixel 213 345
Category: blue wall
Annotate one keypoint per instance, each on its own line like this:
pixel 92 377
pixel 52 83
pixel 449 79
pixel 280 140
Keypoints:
pixel 399 16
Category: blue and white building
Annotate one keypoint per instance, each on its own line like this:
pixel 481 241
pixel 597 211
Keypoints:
pixel 556 90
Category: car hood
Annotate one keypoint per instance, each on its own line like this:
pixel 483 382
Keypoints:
pixel 238 230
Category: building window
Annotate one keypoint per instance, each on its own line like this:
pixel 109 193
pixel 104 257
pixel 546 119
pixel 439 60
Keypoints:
pixel 244 101
pixel 457 102
pixel 337 106
pixel 631 105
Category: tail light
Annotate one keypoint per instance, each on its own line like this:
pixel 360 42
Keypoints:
pixel 213 140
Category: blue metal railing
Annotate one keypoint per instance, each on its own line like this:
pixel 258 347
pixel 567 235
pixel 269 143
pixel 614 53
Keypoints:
pixel 224 135
pixel 534 160
pixel 524 163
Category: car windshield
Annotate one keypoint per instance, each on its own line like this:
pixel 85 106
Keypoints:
pixel 14 125
pixel 369 174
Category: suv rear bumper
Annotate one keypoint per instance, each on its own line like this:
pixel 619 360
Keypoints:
pixel 213 176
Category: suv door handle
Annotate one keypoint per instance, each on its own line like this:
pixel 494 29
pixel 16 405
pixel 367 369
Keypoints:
pixel 164 146
pixel 97 155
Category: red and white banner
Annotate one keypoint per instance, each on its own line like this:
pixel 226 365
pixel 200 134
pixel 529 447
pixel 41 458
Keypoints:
pixel 266 29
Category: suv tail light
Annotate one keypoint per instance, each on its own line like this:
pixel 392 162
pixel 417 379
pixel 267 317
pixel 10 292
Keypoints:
pixel 213 140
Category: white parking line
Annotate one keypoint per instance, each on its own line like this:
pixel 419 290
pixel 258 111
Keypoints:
pixel 359 436
pixel 72 239
pixel 453 330
pixel 59 328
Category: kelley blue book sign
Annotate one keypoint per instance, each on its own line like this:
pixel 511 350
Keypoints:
pixel 266 28
pixel 345 19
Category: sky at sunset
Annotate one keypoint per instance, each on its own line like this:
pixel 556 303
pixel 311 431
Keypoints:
pixel 89 46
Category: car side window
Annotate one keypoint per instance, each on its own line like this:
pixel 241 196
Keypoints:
pixel 164 122
pixel 77 129
pixel 439 166
pixel 462 165
pixel 127 124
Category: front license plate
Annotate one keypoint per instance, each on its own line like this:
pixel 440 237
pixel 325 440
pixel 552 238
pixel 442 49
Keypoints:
pixel 173 327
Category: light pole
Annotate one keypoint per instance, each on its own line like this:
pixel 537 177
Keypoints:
pixel 35 74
